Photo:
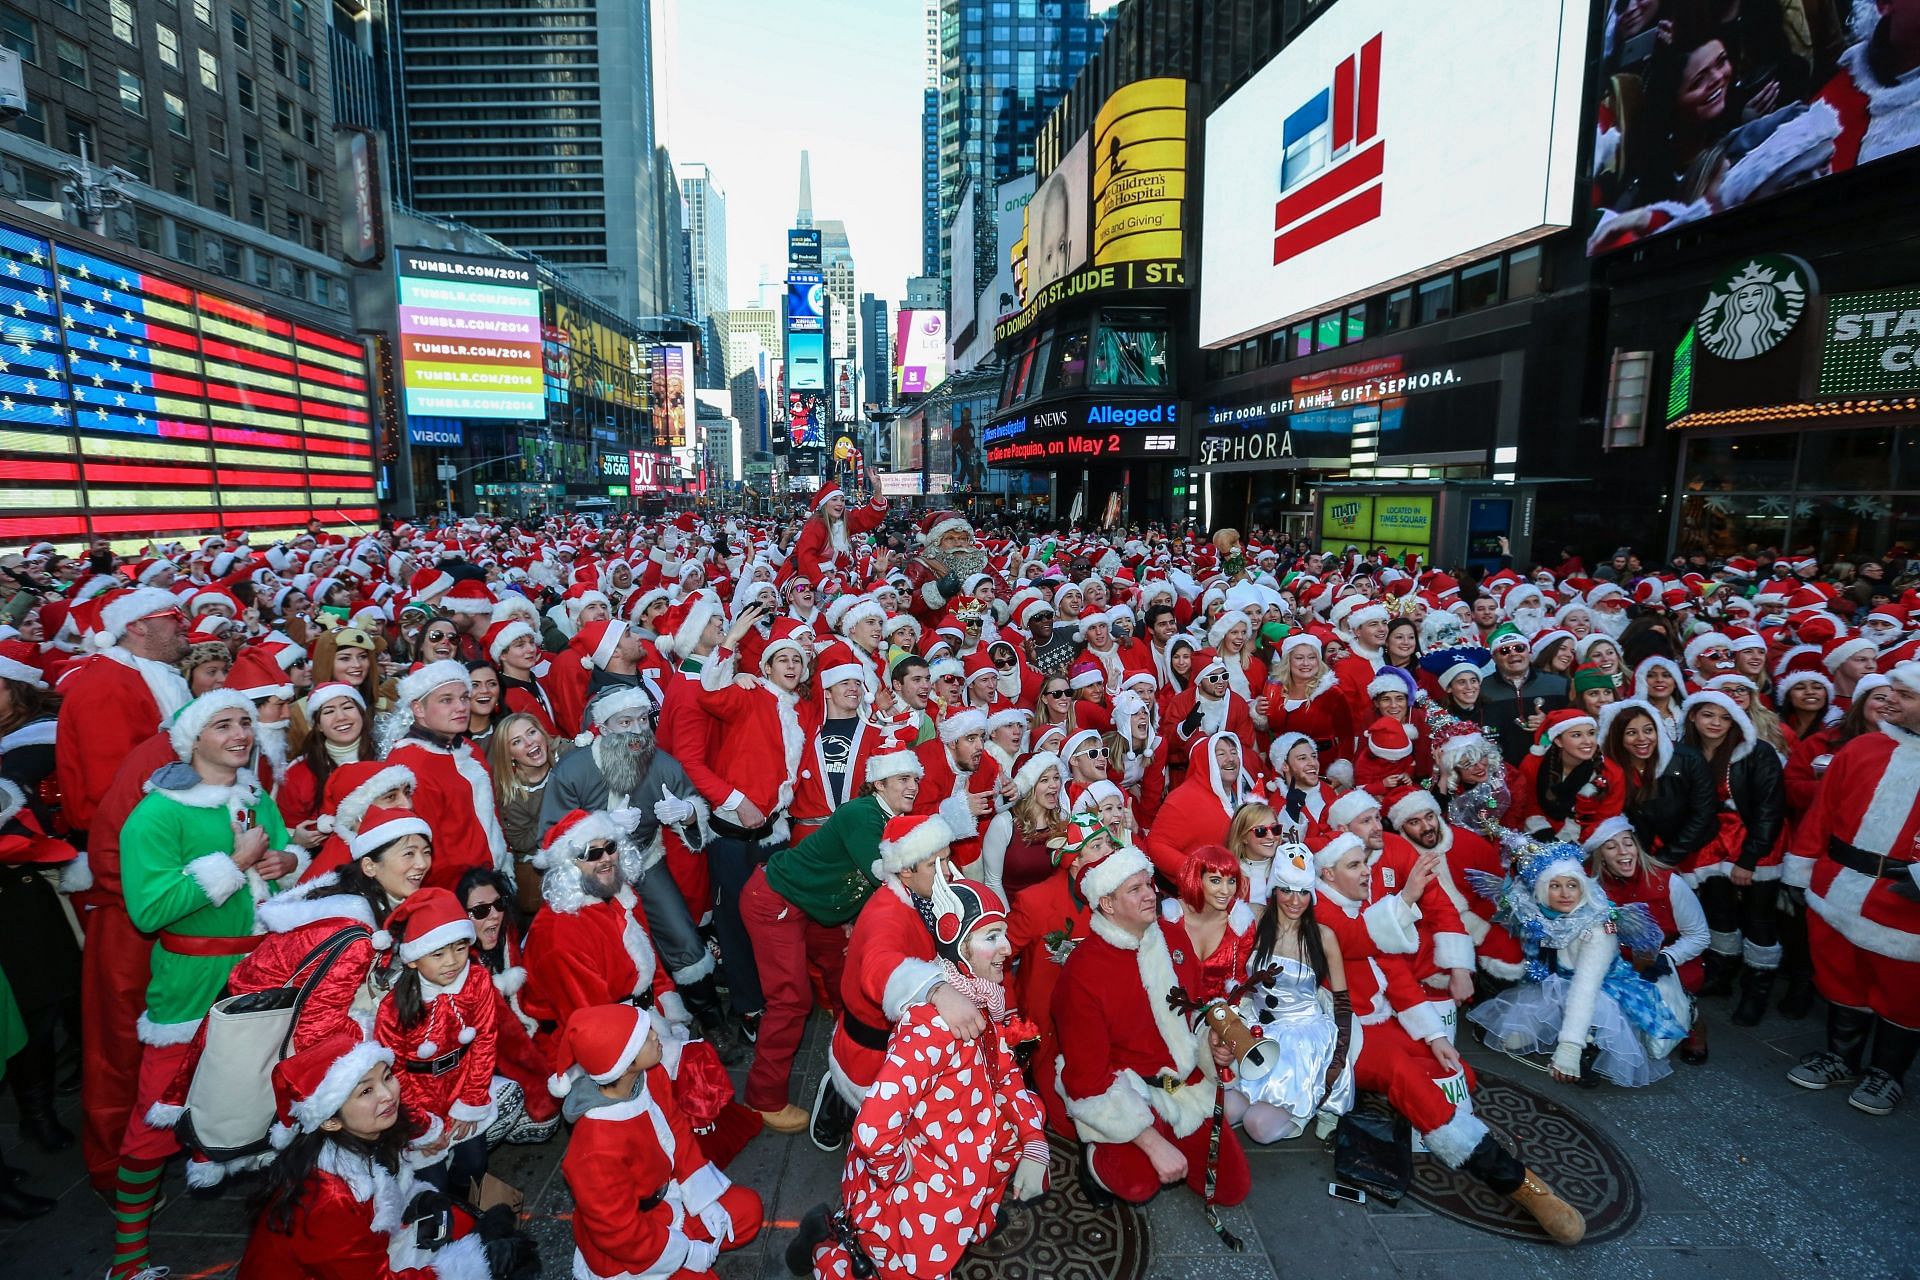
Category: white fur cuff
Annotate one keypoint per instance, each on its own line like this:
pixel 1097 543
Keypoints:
pixel 217 876
pixel 1121 1114
pixel 462 1259
pixel 1452 951
pixel 1390 924
pixel 910 983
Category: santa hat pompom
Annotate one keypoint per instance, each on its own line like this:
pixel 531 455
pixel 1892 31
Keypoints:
pixel 381 940
pixel 560 1085
pixel 324 824
pixel 280 1135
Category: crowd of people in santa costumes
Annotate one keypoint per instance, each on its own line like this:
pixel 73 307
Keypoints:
pixel 481 808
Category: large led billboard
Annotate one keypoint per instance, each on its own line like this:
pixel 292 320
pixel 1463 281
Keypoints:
pixel 470 342
pixel 806 303
pixel 1140 172
pixel 1690 122
pixel 1056 239
pixel 1387 140
pixel 138 406
pixel 919 351
pixel 669 369
pixel 807 362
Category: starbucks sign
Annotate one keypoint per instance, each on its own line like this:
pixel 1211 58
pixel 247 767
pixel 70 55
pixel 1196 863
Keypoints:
pixel 1754 307
pixel 1873 343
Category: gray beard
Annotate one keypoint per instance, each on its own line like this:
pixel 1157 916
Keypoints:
pixel 600 892
pixel 624 759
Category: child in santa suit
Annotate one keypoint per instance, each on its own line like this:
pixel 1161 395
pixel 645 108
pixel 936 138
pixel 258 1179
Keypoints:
pixel 1384 764
pixel 647 1202
pixel 1139 1082
pixel 339 1199
pixel 438 1018
pixel 949 1127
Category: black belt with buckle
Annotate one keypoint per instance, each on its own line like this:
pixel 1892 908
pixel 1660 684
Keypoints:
pixel 1170 1083
pixel 1877 865
pixel 652 1202
pixel 865 1034
pixel 437 1066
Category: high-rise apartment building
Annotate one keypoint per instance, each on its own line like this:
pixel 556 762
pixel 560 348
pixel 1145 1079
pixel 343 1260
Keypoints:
pixel 836 264
pixel 221 116
pixel 706 208
pixel 1004 65
pixel 535 124
pixel 747 326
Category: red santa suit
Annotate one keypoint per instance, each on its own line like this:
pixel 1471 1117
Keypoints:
pixel 1128 1062
pixel 1047 921
pixel 1861 837
pixel 1393 1022
pixel 592 952
pixel 943 785
pixel 109 705
pixel 645 1194
pixel 454 792
pixel 933 1148
pixel 890 967
pixel 1670 900
pixel 813 797
pixel 1227 714
pixel 444 1062
pixel 1603 797
pixel 1200 809
pixel 1870 117
pixel 1323 715
pixel 823 548
pixel 351 1226
pixel 766 731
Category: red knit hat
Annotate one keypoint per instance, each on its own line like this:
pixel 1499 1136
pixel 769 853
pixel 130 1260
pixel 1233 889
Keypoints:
pixel 311 1086
pixel 429 920
pixel 600 1042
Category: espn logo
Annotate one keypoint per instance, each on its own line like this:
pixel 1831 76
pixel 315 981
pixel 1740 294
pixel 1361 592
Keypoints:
pixel 1332 160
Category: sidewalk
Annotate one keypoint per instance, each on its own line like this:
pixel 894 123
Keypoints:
pixel 1743 1176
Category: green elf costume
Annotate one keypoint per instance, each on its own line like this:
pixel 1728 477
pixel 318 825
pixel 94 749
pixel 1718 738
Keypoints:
pixel 181 885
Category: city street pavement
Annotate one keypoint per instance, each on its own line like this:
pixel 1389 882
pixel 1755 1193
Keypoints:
pixel 1744 1176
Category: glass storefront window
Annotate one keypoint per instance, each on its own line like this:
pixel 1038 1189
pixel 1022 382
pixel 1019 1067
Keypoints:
pixel 1735 463
pixel 1436 300
pixel 1072 362
pixel 1302 344
pixel 1327 331
pixel 1523 272
pixel 1856 459
pixel 1356 322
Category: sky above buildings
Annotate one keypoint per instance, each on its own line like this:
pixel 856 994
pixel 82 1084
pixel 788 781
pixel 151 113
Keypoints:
pixel 758 81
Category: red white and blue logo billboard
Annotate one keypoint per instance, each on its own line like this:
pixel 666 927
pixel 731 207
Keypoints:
pixel 1333 158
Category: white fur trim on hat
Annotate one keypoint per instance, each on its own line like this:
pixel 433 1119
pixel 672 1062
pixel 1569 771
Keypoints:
pixel 864 607
pixel 617 699
pixel 354 805
pixel 1112 871
pixel 416 685
pixel 1224 624
pixel 1337 848
pixel 1013 715
pixel 1028 775
pixel 1906 675
pixel 1349 807
pixel 961 723
pixel 923 842
pixel 1386 683
pixel 702 608
pixel 143 602
pixel 1618 824
pixel 337 1085
pixel 1089 678
pixel 595 826
pixel 1704 641
pixel 1374 612
pixel 1553 731
pixel 370 840
pixel 333 691
pixel 432 940
pixel 509 633
pixel 941 528
pixel 1847 649
pixel 21 672
pixel 1784 685
pixel 894 764
pixel 1415 801
pixel 193 718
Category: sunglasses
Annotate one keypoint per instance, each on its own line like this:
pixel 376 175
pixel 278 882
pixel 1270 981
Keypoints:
pixel 1098 753
pixel 1218 677
pixel 1057 693
pixel 439 637
pixel 596 853
pixel 1262 833
pixel 481 910
pixel 1003 663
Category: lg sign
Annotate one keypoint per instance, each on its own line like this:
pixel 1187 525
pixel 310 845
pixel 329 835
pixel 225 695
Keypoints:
pixel 1481 103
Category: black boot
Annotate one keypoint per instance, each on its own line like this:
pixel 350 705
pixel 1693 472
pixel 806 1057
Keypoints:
pixel 1097 1196
pixel 709 1012
pixel 1720 970
pixel 16 1204
pixel 813 1231
pixel 1756 985
pixel 1589 1078
pixel 38 1121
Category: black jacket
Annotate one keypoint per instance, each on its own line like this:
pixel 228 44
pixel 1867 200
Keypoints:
pixel 1504 709
pixel 1679 816
pixel 1757 785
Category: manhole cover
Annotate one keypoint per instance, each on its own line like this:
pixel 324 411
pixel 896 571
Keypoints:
pixel 1060 1236
pixel 1579 1162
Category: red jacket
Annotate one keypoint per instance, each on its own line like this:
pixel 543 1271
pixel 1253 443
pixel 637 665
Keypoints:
pixel 349 1228
pixel 1193 814
pixel 106 710
pixel 814 554
pixel 691 734
pixel 891 965
pixel 453 791
pixel 600 954
pixel 765 738
pixel 457 1015
pixel 1324 716
pixel 1604 796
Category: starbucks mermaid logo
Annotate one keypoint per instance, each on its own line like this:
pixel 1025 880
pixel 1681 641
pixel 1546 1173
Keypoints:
pixel 1752 311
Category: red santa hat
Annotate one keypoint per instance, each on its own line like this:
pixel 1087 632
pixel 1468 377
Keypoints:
pixel 191 720
pixel 859 608
pixel 1816 627
pixel 1413 803
pixel 790 635
pixel 501 636
pixel 381 827
pixel 332 691
pixel 600 1042
pixel 430 919
pixel 962 722
pixel 568 838
pixel 825 494
pixel 423 680
pixel 352 789
pixel 838 664
pixel 936 525
pixel 12 668
pixel 1557 723
pixel 686 622
pixel 599 640
pixel 119 610
pixel 911 839
pixel 1906 675
pixel 1387 738
pixel 1365 612
pixel 894 758
pixel 1350 808
pixel 310 1087
pixel 1097 880
pixel 1836 651
pixel 1337 848
pixel 469 595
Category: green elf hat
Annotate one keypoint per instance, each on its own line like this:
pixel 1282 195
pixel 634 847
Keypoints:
pixel 1505 633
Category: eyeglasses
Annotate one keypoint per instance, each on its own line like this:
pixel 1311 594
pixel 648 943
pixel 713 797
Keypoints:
pixel 481 910
pixel 596 852
pixel 1293 893
pixel 1263 833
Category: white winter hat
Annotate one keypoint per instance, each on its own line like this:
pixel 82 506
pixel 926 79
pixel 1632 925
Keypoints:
pixel 416 685
pixel 191 720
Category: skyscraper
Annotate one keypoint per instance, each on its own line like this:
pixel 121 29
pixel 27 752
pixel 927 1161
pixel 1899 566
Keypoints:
pixel 930 146
pixel 876 355
pixel 537 127
pixel 1003 68
pixel 707 253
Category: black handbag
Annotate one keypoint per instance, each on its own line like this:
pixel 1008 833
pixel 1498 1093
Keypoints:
pixel 1374 1151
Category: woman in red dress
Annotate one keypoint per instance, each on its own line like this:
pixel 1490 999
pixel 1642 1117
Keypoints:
pixel 1212 914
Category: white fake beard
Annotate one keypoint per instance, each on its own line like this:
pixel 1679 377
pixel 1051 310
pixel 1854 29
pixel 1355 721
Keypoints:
pixel 1609 622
